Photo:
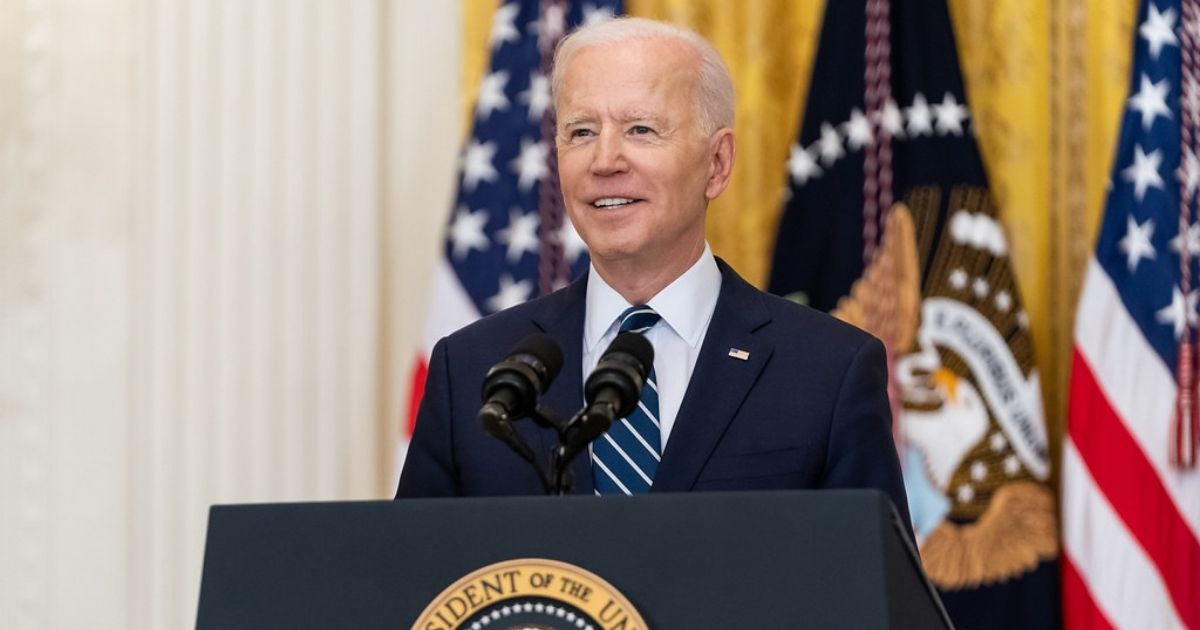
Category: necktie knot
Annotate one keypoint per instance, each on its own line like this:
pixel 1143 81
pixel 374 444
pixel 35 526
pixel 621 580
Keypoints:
pixel 638 319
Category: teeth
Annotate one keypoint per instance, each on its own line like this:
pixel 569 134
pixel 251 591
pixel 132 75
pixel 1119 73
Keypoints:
pixel 609 202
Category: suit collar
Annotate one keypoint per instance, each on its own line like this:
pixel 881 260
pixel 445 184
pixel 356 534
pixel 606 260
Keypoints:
pixel 719 383
pixel 717 388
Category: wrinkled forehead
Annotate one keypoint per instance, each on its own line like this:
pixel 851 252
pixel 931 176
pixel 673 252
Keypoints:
pixel 628 79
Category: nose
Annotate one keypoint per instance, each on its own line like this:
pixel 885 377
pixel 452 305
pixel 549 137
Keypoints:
pixel 609 157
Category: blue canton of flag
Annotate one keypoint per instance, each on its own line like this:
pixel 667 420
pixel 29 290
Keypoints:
pixel 1139 242
pixel 493 242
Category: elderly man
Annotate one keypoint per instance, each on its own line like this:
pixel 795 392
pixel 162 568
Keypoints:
pixel 747 391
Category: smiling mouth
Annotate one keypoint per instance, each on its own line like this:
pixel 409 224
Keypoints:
pixel 613 202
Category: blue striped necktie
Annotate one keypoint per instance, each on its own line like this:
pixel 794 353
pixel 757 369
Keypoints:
pixel 624 459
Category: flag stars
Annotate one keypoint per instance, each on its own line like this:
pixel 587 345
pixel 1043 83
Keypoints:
pixel 537 97
pixel 1012 465
pixel 1004 301
pixel 1158 30
pixel 1151 101
pixel 965 493
pixel 551 26
pixel 1176 314
pixel 858 130
pixel 466 232
pixel 980 288
pixel 504 28
pixel 477 164
pixel 802 166
pixel 1143 173
pixel 510 294
pixel 919 117
pixel 572 244
pixel 1189 171
pixel 521 234
pixel 978 471
pixel 530 166
pixel 958 279
pixel 997 442
pixel 830 145
pixel 491 95
pixel 1023 320
pixel 891 120
pixel 1136 244
pixel 1192 236
pixel 950 115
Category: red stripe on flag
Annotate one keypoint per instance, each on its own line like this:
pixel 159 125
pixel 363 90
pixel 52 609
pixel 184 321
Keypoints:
pixel 1133 488
pixel 1079 609
pixel 415 393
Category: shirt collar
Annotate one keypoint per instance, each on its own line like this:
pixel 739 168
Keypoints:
pixel 685 305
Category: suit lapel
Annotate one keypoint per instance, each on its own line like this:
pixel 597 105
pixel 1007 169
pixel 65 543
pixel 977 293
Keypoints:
pixel 562 319
pixel 719 382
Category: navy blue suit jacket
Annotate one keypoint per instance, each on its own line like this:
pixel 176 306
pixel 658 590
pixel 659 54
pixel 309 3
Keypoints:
pixel 807 409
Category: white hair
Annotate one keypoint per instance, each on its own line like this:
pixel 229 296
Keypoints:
pixel 715 87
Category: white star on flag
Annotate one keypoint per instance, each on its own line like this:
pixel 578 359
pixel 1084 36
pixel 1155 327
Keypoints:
pixel 802 165
pixel 537 97
pixel 1175 314
pixel 1151 101
pixel 858 130
pixel 891 119
pixel 1193 240
pixel 530 165
pixel 466 233
pixel 491 94
pixel 503 28
pixel 477 164
pixel 551 27
pixel 950 115
pixel 521 234
pixel 1159 29
pixel 1189 171
pixel 919 122
pixel 829 145
pixel 511 293
pixel 1143 172
pixel 1136 243
pixel 572 244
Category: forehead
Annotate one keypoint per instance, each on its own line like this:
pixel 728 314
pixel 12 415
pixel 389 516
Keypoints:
pixel 636 74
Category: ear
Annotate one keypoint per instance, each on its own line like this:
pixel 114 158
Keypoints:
pixel 721 151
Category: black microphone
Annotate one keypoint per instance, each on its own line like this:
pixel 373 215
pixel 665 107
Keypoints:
pixel 612 391
pixel 512 387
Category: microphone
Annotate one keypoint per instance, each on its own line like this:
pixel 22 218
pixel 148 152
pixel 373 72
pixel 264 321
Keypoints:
pixel 512 387
pixel 612 391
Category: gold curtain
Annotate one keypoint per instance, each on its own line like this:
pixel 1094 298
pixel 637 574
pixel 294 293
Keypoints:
pixel 1046 82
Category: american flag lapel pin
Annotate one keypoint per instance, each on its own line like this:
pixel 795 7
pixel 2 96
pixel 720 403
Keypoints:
pixel 739 354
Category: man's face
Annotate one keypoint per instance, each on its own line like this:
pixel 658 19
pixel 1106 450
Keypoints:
pixel 636 169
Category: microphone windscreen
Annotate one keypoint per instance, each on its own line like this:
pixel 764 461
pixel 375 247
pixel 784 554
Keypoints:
pixel 635 345
pixel 542 347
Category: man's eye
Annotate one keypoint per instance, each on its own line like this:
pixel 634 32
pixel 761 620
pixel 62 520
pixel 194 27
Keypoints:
pixel 641 130
pixel 581 133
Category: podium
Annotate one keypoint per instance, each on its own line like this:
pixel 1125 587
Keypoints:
pixel 796 559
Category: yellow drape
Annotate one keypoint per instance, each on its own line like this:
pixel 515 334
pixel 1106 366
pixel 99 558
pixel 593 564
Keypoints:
pixel 1046 82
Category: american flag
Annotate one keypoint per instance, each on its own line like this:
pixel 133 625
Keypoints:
pixel 507 239
pixel 1131 491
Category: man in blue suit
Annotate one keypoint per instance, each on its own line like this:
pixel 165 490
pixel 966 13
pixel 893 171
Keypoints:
pixel 748 391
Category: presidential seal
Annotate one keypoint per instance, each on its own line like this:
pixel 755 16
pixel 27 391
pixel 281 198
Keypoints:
pixel 530 594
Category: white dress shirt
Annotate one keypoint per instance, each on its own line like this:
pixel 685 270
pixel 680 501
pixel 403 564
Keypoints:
pixel 686 306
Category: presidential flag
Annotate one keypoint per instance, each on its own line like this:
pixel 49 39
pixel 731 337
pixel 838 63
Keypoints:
pixel 1131 489
pixel 889 224
pixel 507 239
